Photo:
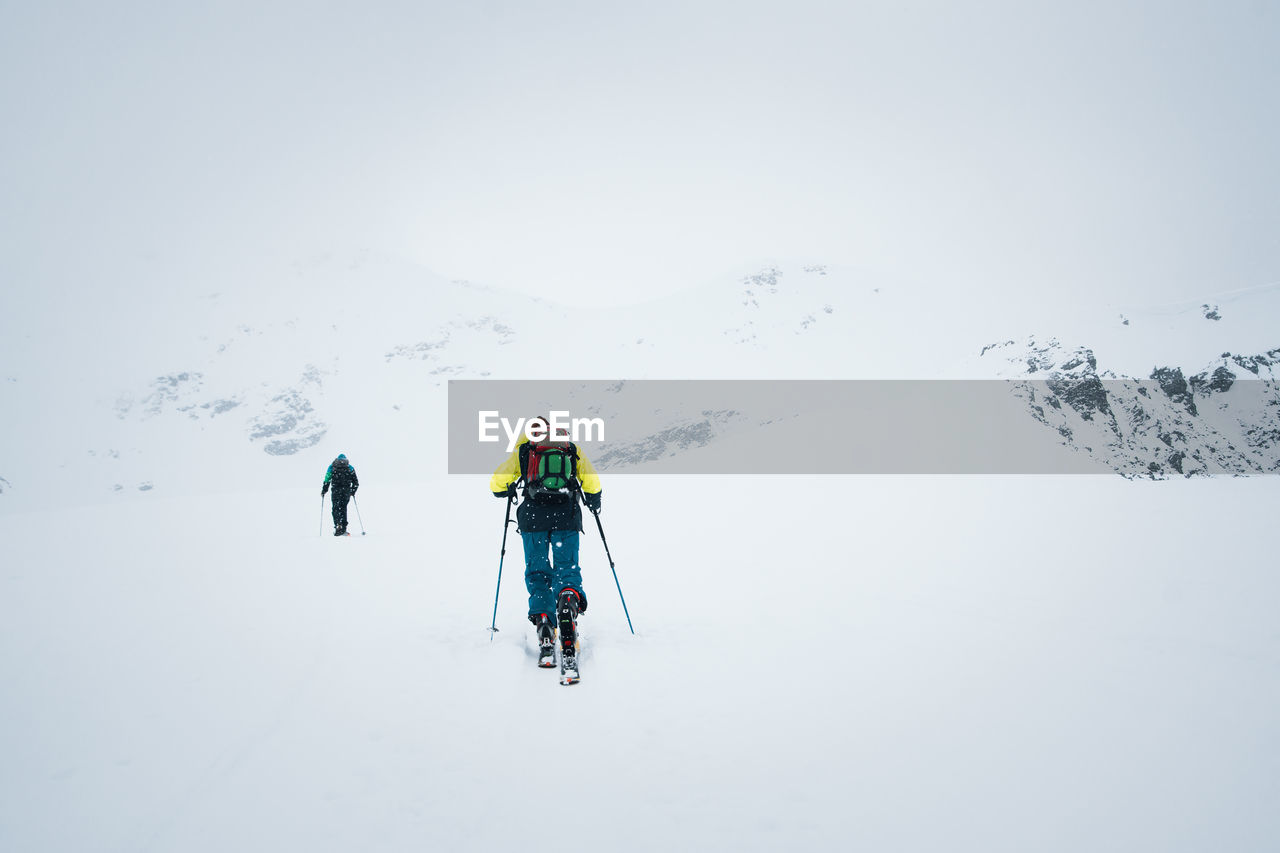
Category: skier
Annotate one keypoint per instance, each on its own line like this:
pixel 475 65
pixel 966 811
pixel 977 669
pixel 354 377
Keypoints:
pixel 549 520
pixel 342 477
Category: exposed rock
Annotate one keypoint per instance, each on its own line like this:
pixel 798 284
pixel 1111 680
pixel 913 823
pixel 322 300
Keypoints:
pixel 668 442
pixel 289 421
pixel 1174 385
pixel 291 446
pixel 764 281
pixel 1157 427
pixel 431 349
pixel 164 390
pixel 1255 364
pixel 1085 394
pixel 1080 357
pixel 1221 380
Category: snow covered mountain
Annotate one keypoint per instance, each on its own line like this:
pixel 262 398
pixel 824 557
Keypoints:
pixel 193 663
pixel 265 368
pixel 1183 391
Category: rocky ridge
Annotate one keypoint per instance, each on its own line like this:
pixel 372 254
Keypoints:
pixel 1224 418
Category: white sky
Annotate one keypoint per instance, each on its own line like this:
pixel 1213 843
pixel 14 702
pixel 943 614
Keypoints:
pixel 597 150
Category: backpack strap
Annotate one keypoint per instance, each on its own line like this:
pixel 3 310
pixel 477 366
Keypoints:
pixel 532 462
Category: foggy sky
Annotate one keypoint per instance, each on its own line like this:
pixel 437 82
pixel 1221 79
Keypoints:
pixel 598 151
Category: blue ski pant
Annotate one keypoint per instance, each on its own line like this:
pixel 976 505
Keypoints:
pixel 550 564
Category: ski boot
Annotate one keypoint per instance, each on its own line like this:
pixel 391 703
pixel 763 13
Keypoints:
pixel 546 640
pixel 567 608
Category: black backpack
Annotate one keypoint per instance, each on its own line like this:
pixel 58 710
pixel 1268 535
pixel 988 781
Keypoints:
pixel 551 474
pixel 340 474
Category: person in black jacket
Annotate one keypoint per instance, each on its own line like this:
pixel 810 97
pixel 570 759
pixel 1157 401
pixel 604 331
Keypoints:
pixel 341 476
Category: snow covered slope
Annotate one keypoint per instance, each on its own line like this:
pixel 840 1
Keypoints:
pixel 915 663
pixel 892 663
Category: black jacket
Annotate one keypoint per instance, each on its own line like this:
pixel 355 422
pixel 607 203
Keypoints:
pixel 342 479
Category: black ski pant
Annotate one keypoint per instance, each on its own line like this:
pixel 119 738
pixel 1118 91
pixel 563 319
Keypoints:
pixel 340 507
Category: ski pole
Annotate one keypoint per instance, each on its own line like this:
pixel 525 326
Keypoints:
pixel 600 527
pixel 322 515
pixel 358 518
pixel 493 626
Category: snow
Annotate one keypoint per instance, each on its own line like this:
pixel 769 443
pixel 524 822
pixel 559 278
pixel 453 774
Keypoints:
pixel 192 662
pixel 236 242
pixel 912 663
pixel 1176 333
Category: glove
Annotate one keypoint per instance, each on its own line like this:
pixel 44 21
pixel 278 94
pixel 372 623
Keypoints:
pixel 592 500
pixel 354 489
pixel 508 492
pixel 324 490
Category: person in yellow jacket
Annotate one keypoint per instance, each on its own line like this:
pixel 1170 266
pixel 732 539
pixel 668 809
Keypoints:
pixel 549 520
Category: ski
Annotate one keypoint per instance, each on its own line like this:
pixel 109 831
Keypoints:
pixel 569 666
pixel 546 643
pixel 567 614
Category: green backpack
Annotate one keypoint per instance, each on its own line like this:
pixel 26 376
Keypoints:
pixel 551 473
